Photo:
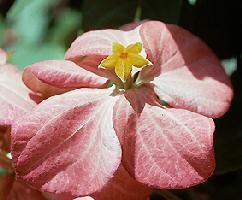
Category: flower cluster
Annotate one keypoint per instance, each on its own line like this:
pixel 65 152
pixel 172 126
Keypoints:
pixel 125 111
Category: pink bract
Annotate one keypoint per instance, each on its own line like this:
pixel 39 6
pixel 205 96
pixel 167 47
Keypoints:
pixel 15 100
pixel 121 186
pixel 21 191
pixel 10 188
pixel 56 77
pixel 73 143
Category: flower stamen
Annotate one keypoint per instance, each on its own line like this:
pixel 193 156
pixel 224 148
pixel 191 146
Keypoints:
pixel 123 59
pixel 124 55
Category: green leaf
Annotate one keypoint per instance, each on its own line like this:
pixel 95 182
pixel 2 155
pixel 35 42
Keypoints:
pixel 5 172
pixel 164 10
pixel 68 21
pixel 192 2
pixel 25 54
pixel 2 31
pixel 30 18
pixel 230 65
pixel 108 13
pixel 164 103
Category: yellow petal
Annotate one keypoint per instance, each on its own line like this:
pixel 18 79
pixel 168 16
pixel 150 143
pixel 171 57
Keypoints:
pixel 109 62
pixel 134 48
pixel 123 69
pixel 117 47
pixel 137 60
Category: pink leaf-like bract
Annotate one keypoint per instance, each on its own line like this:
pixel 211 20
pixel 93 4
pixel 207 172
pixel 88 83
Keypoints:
pixel 67 145
pixel 163 147
pixel 121 187
pixel 52 76
pixel 21 191
pixel 14 96
pixel 132 25
pixel 185 72
pixel 100 42
pixel 3 57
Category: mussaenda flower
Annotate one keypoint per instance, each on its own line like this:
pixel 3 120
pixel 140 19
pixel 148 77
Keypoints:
pixel 143 98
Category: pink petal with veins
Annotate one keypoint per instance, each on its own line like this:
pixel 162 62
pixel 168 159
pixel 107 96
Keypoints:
pixel 67 144
pixel 100 42
pixel 163 147
pixel 20 191
pixel 185 72
pixel 14 96
pixel 57 76
pixel 132 25
pixel 123 186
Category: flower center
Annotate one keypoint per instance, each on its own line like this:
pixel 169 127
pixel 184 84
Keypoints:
pixel 123 55
pixel 123 58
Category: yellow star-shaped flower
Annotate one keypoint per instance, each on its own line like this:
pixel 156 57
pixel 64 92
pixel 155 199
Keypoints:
pixel 123 59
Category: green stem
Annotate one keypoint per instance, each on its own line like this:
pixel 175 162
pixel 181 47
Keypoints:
pixel 138 13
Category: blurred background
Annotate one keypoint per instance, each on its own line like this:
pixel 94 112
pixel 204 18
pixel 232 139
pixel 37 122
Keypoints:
pixel 34 30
